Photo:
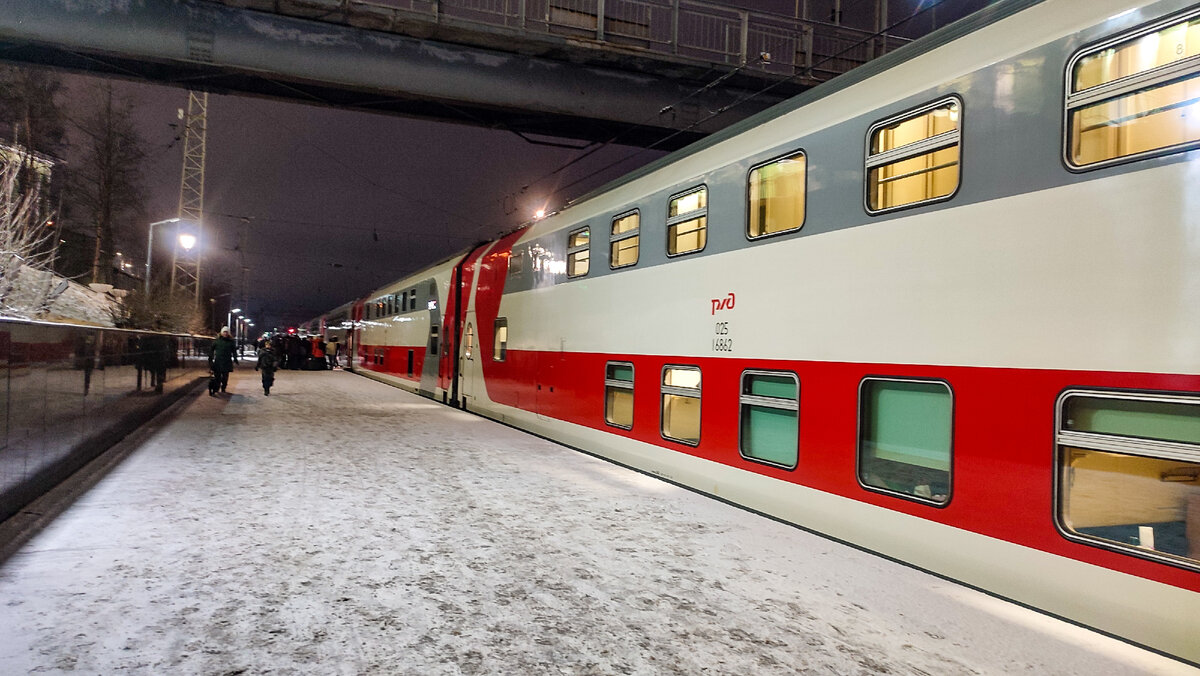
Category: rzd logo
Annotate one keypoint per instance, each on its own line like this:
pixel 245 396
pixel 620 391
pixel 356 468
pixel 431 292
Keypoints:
pixel 725 303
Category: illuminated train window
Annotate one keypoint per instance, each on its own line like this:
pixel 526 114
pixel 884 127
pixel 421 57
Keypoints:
pixel 618 394
pixel 500 349
pixel 770 418
pixel 776 196
pixel 412 300
pixel 1135 96
pixel 913 159
pixel 623 243
pixel 680 411
pixel 578 252
pixel 905 438
pixel 687 222
pixel 1129 473
pixel 470 342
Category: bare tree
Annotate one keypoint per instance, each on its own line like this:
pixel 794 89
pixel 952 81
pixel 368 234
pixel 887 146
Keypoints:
pixel 27 241
pixel 106 182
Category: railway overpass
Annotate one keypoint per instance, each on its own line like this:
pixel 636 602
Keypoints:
pixel 639 70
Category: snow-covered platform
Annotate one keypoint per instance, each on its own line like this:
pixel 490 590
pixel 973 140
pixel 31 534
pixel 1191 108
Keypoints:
pixel 341 526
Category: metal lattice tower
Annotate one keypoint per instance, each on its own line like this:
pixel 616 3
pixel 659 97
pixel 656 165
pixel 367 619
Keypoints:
pixel 185 265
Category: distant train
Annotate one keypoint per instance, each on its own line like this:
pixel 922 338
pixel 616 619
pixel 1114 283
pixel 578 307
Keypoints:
pixel 945 307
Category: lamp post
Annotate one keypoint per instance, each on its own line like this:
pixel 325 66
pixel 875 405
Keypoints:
pixel 150 248
pixel 186 240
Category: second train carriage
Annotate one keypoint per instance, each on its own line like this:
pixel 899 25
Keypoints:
pixel 945 307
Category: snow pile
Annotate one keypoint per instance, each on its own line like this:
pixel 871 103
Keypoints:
pixel 75 303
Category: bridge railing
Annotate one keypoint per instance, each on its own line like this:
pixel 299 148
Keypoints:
pixel 689 30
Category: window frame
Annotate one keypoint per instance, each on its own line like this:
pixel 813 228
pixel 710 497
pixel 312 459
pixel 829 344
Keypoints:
pixel 749 206
pixel 620 384
pixel 768 402
pixel 1112 443
pixel 613 239
pixel 925 146
pixel 684 218
pixel 664 389
pixel 858 440
pixel 499 350
pixel 1130 84
pixel 572 251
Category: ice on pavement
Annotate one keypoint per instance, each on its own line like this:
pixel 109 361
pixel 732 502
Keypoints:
pixel 341 526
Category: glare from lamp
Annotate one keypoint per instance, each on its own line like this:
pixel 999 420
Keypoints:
pixel 539 214
pixel 187 241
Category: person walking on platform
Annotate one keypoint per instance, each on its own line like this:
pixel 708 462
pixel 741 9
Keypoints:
pixel 268 362
pixel 221 359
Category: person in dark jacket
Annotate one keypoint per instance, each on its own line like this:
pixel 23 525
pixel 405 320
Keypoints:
pixel 268 361
pixel 222 358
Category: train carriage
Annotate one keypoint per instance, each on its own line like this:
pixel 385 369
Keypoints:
pixel 944 308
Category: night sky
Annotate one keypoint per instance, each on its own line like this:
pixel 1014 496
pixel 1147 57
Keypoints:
pixel 321 205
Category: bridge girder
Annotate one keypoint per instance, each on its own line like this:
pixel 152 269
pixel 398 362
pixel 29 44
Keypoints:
pixel 217 48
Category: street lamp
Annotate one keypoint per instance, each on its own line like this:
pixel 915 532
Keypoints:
pixel 186 240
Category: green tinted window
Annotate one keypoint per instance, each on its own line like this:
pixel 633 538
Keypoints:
pixel 905 433
pixel 1164 421
pixel 770 418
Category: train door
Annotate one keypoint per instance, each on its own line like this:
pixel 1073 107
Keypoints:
pixel 466 360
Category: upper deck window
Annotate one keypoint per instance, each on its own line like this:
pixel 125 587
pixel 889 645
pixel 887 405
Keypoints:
pixel 578 252
pixel 1135 96
pixel 776 196
pixel 914 158
pixel 687 222
pixel 623 243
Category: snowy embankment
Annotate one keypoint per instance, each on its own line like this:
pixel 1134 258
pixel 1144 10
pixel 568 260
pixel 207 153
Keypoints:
pixel 340 526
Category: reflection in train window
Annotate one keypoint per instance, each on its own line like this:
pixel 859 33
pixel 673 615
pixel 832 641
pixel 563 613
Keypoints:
pixel 623 243
pixel 1155 106
pixel 914 158
pixel 578 252
pixel 470 342
pixel 770 418
pixel 1129 473
pixel 681 404
pixel 905 434
pixel 618 394
pixel 776 196
pixel 500 351
pixel 687 222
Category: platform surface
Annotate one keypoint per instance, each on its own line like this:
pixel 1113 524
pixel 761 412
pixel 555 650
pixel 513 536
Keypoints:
pixel 341 526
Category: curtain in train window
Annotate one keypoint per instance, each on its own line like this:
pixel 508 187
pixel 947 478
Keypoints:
pixel 915 158
pixel 1129 473
pixel 904 437
pixel 623 247
pixel 1136 97
pixel 618 394
pixel 500 349
pixel 578 252
pixel 681 404
pixel 770 418
pixel 687 222
pixel 777 196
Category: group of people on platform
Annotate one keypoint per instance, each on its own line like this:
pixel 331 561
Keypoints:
pixel 281 351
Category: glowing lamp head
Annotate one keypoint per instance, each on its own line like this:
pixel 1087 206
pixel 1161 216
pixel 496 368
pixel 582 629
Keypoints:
pixel 539 214
pixel 187 241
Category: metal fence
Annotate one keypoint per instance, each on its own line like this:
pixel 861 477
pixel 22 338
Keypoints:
pixel 68 392
pixel 688 30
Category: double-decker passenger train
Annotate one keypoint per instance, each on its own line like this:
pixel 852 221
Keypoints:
pixel 945 308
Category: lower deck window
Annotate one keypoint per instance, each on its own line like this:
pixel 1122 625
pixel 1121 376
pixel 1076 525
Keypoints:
pixel 905 436
pixel 770 418
pixel 681 404
pixel 1129 473
pixel 500 349
pixel 618 394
